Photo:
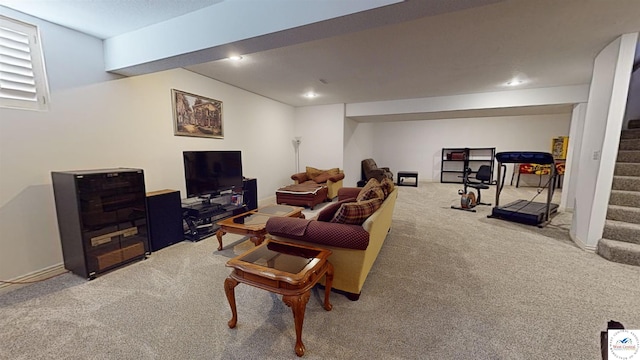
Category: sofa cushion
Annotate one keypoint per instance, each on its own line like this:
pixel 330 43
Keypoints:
pixel 319 232
pixel 387 186
pixel 371 190
pixel 339 235
pixel 313 172
pixel 356 212
pixel 327 213
pixel 322 178
pixel 287 226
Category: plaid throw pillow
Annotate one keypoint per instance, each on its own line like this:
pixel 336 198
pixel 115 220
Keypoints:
pixel 329 211
pixel 387 186
pixel 371 190
pixel 356 213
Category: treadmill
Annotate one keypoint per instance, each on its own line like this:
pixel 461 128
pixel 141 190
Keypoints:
pixel 525 211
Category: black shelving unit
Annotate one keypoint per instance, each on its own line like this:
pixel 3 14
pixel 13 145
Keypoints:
pixel 455 160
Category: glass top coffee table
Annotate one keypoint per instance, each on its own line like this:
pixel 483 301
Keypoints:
pixel 252 223
pixel 288 269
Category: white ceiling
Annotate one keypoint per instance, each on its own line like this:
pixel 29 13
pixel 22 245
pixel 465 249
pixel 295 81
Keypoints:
pixel 546 43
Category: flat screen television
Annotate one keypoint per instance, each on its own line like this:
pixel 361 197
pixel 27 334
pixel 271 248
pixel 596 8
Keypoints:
pixel 209 173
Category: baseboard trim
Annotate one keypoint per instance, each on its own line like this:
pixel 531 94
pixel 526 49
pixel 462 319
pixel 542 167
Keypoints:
pixel 31 277
pixel 581 243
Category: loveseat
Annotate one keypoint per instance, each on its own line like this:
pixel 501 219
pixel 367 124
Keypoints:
pixel 355 246
pixel 332 178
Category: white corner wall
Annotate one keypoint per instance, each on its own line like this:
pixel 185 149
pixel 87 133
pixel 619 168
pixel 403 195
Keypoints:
pixel 600 140
pixel 95 122
pixel 358 145
pixel 322 131
pixel 633 101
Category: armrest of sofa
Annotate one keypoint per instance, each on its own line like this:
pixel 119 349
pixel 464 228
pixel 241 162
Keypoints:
pixel 348 193
pixel 299 178
pixel 336 178
pixel 319 232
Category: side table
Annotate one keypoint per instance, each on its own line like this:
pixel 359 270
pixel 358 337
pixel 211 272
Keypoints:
pixel 288 269
pixel 407 174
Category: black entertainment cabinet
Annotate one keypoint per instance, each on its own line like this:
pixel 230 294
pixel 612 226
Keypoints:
pixel 200 217
pixel 102 218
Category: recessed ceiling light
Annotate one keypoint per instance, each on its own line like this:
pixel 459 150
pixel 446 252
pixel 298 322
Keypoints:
pixel 235 57
pixel 310 95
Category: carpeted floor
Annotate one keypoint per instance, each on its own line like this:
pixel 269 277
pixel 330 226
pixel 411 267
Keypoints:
pixel 447 284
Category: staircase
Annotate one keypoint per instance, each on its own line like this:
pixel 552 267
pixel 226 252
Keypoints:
pixel 621 238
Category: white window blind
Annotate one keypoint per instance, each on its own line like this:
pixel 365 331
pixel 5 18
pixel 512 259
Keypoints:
pixel 23 81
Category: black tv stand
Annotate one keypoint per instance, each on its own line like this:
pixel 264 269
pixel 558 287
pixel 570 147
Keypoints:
pixel 201 218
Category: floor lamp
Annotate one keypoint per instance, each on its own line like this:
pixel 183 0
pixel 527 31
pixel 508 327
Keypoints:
pixel 296 144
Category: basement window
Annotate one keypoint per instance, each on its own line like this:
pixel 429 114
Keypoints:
pixel 23 80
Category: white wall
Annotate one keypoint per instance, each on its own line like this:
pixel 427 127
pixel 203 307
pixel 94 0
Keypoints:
pixel 573 157
pixel 322 132
pixel 600 139
pixel 633 101
pixel 417 145
pixel 95 122
pixel 358 145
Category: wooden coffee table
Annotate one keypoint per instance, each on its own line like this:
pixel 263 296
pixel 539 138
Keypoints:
pixel 288 269
pixel 252 223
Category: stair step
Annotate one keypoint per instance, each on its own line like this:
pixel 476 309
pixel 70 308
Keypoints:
pixel 625 198
pixel 629 156
pixel 629 144
pixel 630 134
pixel 627 169
pixel 634 124
pixel 623 213
pixel 619 251
pixel 621 231
pixel 629 183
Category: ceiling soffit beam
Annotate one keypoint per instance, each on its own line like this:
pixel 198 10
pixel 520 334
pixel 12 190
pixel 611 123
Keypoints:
pixel 215 32
pixel 491 100
pixel 223 23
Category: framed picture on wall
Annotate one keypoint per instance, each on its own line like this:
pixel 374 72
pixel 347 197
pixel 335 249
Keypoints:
pixel 195 115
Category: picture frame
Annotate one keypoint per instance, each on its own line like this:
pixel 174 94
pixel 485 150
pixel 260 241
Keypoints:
pixel 195 115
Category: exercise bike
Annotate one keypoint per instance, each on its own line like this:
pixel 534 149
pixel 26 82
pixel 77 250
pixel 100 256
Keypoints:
pixel 468 199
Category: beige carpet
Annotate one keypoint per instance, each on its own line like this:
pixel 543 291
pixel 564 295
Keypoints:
pixel 447 284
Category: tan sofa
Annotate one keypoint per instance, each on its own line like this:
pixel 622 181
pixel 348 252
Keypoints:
pixel 352 261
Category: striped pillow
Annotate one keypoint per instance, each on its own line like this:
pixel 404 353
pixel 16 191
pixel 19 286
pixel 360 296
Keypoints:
pixel 356 213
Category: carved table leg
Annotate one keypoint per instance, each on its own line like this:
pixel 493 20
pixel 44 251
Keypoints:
pixel 257 240
pixel 298 304
pixel 229 285
pixel 219 234
pixel 327 287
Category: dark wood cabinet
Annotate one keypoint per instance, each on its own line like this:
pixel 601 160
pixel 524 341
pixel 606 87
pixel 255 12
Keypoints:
pixel 102 218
